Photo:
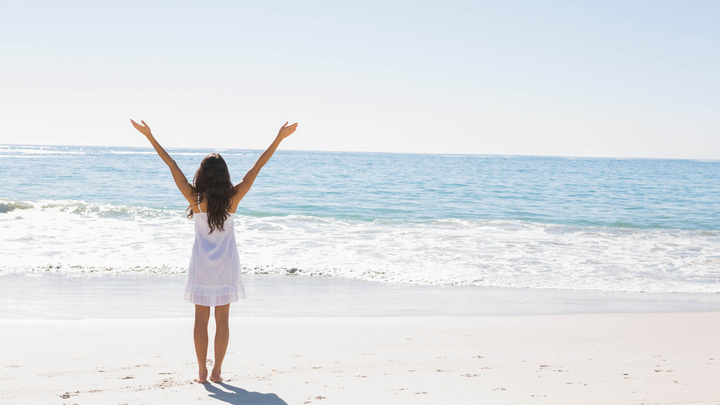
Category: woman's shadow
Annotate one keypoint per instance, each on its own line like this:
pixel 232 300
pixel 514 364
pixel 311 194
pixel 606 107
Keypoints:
pixel 236 395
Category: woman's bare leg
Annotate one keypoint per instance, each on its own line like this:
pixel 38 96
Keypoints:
pixel 200 335
pixel 222 337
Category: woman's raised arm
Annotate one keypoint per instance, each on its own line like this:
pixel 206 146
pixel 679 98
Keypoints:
pixel 244 186
pixel 179 177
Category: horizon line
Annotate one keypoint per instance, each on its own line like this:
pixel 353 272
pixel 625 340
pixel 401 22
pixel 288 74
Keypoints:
pixel 377 152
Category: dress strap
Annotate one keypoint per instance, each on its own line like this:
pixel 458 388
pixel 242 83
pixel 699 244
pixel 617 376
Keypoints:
pixel 198 203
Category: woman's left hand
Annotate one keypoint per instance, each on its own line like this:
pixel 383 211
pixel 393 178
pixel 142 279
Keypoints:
pixel 144 128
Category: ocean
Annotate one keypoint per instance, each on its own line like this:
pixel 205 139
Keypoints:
pixel 601 224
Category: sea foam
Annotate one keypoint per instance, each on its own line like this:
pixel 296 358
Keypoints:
pixel 77 237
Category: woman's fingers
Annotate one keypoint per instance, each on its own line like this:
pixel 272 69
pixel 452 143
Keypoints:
pixel 144 128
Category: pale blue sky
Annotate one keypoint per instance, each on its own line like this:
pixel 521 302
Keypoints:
pixel 610 78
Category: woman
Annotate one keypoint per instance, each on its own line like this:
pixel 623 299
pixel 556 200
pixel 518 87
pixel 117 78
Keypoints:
pixel 214 272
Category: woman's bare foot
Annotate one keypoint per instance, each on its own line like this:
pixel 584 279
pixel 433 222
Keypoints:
pixel 202 377
pixel 215 376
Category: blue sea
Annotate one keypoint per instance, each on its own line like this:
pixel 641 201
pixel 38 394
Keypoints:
pixel 505 221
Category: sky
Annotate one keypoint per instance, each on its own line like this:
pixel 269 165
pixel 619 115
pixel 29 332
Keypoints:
pixel 559 78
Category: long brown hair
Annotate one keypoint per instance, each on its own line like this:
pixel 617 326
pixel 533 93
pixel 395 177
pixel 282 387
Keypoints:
pixel 212 181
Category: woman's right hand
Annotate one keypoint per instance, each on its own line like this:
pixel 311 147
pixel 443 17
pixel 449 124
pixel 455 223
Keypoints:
pixel 144 128
pixel 287 130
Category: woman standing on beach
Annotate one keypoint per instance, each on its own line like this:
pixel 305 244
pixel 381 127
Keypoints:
pixel 214 272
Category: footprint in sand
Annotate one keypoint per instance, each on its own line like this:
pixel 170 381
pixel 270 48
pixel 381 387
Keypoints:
pixel 135 366
pixel 317 397
pixel 166 383
pixel 69 394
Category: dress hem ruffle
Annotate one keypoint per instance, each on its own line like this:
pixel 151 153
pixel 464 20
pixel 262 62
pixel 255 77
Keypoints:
pixel 213 296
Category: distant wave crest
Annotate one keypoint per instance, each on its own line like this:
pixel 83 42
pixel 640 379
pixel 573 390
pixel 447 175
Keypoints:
pixel 87 209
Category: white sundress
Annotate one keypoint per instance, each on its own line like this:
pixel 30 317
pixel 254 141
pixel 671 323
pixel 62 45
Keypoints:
pixel 214 272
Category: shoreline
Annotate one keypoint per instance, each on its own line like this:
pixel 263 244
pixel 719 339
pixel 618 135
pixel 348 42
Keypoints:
pixel 57 296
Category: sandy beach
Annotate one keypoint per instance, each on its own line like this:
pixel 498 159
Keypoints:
pixel 620 358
